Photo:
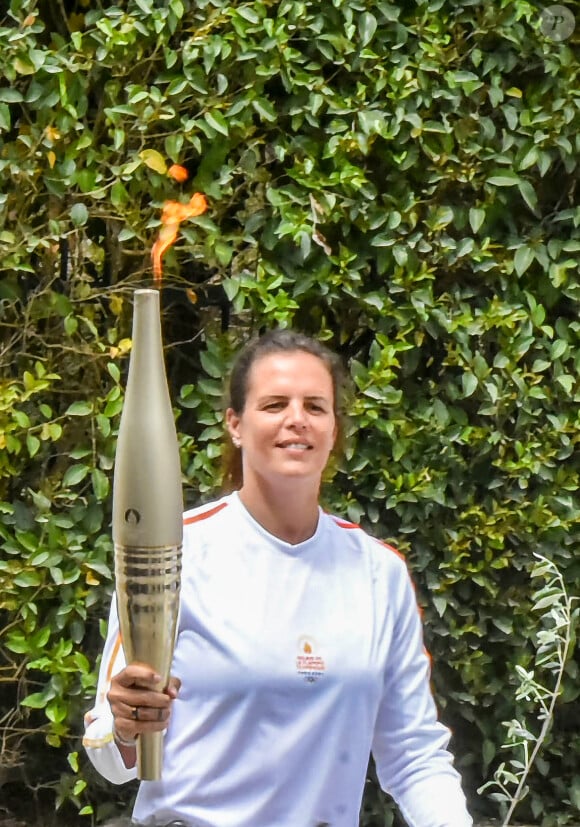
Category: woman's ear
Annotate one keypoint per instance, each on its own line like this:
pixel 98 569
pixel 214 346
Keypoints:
pixel 233 426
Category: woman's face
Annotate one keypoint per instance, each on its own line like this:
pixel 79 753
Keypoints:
pixel 287 428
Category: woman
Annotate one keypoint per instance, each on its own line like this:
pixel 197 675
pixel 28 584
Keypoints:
pixel 299 648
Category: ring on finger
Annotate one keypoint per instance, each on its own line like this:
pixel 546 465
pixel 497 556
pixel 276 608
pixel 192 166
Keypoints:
pixel 159 714
pixel 135 713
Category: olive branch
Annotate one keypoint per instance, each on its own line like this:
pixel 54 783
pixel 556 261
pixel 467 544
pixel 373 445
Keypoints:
pixel 554 641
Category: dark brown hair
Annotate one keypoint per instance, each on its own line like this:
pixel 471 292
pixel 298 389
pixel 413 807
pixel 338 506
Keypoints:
pixel 278 341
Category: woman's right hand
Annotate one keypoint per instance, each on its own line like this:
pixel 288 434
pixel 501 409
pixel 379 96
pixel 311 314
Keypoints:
pixel 137 705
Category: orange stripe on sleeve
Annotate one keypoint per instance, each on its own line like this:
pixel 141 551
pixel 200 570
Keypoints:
pixel 344 523
pixel 195 518
pixel 113 658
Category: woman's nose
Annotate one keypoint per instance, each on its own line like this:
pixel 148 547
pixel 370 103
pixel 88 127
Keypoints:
pixel 296 415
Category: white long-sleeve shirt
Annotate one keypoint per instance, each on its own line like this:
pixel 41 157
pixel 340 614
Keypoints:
pixel 296 662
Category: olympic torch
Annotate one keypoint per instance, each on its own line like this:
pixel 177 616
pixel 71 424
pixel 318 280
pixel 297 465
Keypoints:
pixel 147 514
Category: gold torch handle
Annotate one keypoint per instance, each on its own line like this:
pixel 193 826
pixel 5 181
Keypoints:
pixel 147 583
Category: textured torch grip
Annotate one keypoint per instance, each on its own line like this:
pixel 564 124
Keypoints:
pixel 148 586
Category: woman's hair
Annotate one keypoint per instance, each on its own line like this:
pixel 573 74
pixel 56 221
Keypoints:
pixel 278 341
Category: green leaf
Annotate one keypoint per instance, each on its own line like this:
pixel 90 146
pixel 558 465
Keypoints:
pixel 574 792
pixel 17 643
pixel 504 179
pixel 530 158
pixel 177 8
pixel 37 700
pixel 86 180
pixel 74 475
pixel 523 258
pixel 540 365
pixel 505 625
pixel 173 146
pixel 468 383
pixel 113 408
pixel 440 218
pixel 210 363
pixel 264 109
pixel 476 218
pixel 33 444
pixel 56 710
pixel 146 6
pixel 100 483
pixel 79 215
pixel 463 76
pixel 71 325
pixel 114 371
pixel 10 95
pixel 24 66
pixel 79 786
pixel 119 194
pixel 103 424
pixel 22 419
pixel 5 119
pixel 217 121
pixel 558 349
pixel 249 14
pixel 28 579
pixel 528 193
pixel 489 751
pixel 371 120
pixel 79 409
pixel 367 26
pixel 154 160
pixel 566 381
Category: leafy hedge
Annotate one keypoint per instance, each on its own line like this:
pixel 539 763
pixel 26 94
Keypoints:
pixel 399 179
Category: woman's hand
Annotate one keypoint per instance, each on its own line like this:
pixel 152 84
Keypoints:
pixel 138 706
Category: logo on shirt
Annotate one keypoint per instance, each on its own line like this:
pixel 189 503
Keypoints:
pixel 309 664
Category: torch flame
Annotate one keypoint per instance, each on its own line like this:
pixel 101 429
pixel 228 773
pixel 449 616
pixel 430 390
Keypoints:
pixel 174 212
